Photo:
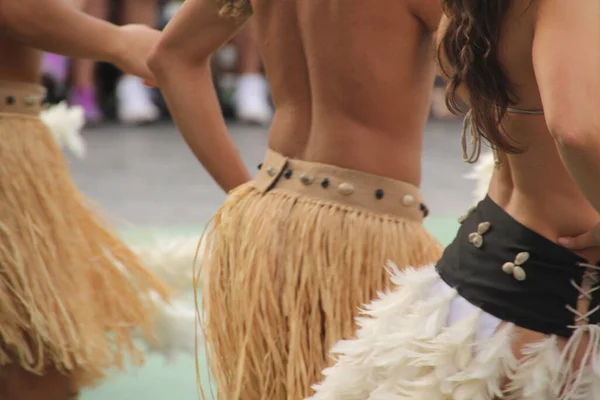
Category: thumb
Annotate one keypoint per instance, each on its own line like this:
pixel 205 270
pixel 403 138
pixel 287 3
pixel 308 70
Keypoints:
pixel 580 242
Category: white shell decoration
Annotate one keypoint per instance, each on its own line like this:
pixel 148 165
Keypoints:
pixel 408 200
pixel 519 273
pixel 476 239
pixel 508 267
pixel 306 179
pixel 346 189
pixel 483 227
pixel 521 258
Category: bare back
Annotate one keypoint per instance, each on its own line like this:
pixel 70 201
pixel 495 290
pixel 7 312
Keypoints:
pixel 534 187
pixel 351 82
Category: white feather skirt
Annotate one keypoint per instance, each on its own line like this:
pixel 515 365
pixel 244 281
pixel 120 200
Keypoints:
pixel 171 259
pixel 65 124
pixel 482 173
pixel 423 341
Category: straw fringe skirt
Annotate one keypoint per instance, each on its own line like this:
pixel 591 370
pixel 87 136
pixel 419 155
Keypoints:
pixel 286 268
pixel 423 341
pixel 71 293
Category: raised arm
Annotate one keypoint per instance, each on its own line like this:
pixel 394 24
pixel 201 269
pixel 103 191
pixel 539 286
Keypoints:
pixel 429 12
pixel 181 65
pixel 566 57
pixel 57 26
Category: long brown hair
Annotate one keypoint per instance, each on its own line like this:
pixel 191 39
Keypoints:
pixel 469 45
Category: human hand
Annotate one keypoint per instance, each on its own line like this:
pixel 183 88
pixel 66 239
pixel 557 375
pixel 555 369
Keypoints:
pixel 137 42
pixel 584 241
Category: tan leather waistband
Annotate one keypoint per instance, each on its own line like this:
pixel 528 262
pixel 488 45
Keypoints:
pixel 21 98
pixel 348 187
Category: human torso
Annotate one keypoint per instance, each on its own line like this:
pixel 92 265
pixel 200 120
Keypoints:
pixel 351 82
pixel 534 186
pixel 19 63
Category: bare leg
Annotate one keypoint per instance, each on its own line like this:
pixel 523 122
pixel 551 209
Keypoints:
pixel 18 384
pixel 84 78
pixel 252 91
pixel 135 103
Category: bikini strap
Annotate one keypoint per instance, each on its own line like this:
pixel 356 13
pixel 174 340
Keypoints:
pixel 472 150
pixel 525 112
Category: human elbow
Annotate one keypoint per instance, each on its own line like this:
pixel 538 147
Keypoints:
pixel 158 60
pixel 163 59
pixel 572 137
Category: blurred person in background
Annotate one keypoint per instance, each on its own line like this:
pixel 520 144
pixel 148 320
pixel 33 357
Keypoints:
pixel 135 104
pixel 84 91
pixel 252 90
pixel 73 296
pixel 134 101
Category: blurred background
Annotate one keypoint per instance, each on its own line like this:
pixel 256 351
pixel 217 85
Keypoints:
pixel 144 178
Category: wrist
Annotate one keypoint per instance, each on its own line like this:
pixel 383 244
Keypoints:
pixel 117 47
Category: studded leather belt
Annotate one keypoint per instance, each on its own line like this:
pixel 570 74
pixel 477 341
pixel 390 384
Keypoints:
pixel 342 186
pixel 21 98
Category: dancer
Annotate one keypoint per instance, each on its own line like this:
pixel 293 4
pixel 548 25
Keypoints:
pixel 135 104
pixel 507 312
pixel 294 252
pixel 72 295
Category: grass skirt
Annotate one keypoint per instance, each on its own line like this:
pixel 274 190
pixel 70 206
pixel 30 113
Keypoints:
pixel 71 293
pixel 285 272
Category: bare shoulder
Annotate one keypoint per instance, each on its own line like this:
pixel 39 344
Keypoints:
pixel 566 60
pixel 428 11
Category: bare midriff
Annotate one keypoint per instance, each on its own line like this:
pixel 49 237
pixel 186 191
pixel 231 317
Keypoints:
pixel 19 63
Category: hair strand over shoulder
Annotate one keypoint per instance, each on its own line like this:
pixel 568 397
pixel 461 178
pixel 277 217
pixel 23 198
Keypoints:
pixel 469 46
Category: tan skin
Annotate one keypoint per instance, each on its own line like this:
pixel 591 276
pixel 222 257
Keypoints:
pixel 351 83
pixel 549 52
pixel 23 34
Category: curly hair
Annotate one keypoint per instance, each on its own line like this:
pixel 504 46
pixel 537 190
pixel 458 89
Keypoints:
pixel 469 46
pixel 235 8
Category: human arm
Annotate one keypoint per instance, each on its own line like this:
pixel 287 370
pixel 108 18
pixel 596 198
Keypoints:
pixel 429 12
pixel 57 26
pixel 566 57
pixel 181 64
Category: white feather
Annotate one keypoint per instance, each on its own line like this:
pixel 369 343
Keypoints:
pixel 174 328
pixel 482 173
pixel 171 260
pixel 65 124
